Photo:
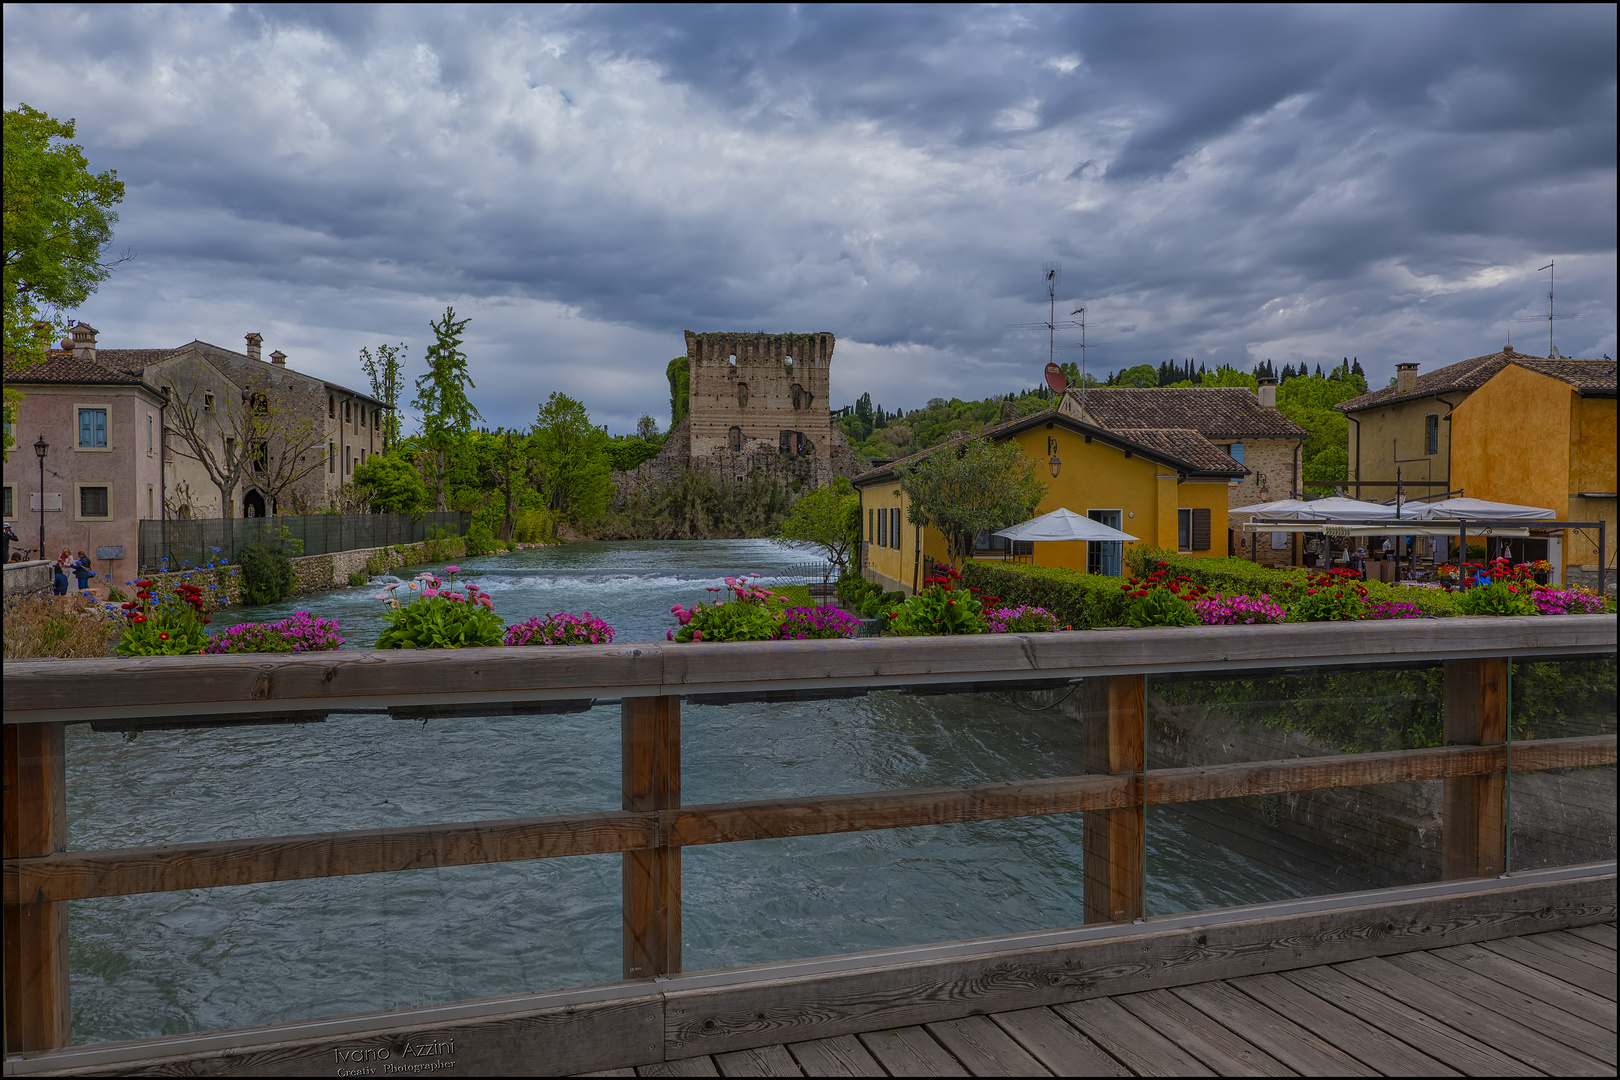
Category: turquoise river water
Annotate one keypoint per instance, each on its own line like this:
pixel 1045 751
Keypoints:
pixel 175 962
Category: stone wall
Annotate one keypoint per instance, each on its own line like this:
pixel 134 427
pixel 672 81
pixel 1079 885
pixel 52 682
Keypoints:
pixel 315 573
pixel 1274 474
pixel 27 581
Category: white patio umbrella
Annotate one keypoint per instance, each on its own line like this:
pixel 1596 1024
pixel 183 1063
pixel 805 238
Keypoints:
pixel 1271 509
pixel 1062 525
pixel 1478 509
pixel 1339 508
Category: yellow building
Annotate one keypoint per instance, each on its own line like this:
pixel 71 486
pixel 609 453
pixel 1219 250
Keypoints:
pixel 1166 486
pixel 1504 428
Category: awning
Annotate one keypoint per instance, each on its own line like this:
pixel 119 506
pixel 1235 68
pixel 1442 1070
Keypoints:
pixel 1062 524
pixel 1478 509
pixel 1280 508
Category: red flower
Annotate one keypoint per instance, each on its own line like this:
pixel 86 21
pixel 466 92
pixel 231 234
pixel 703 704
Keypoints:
pixel 163 637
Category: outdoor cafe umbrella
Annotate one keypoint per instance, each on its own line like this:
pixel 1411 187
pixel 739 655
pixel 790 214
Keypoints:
pixel 1063 525
pixel 1480 510
pixel 1271 509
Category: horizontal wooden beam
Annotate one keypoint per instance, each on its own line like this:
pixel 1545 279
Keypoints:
pixel 233 685
pixel 644 1023
pixel 78 875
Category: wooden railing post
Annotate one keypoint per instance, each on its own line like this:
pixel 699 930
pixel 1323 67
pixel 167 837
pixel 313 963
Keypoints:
pixel 1114 710
pixel 1474 832
pixel 38 1007
pixel 652 879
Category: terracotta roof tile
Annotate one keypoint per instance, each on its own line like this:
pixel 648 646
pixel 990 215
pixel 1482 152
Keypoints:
pixel 1182 448
pixel 111 367
pixel 1588 376
pixel 1229 412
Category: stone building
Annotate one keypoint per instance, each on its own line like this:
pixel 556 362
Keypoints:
pixel 757 403
pixel 116 458
pixel 1244 424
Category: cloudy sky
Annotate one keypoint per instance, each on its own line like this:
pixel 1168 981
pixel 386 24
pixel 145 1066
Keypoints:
pixel 1224 184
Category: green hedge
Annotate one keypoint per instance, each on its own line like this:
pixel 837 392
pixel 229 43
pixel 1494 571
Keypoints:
pixel 1085 601
pixel 1080 601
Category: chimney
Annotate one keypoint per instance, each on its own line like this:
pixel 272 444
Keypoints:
pixel 1267 393
pixel 84 341
pixel 278 358
pixel 254 341
pixel 1406 378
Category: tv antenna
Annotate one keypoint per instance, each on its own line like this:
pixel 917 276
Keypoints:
pixel 1551 317
pixel 1052 277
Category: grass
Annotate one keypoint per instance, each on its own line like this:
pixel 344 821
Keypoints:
pixel 58 628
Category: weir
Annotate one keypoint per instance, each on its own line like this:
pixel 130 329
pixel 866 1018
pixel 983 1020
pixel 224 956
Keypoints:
pixel 1124 786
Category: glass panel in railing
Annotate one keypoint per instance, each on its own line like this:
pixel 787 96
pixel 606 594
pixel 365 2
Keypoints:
pixel 1222 833
pixel 1020 753
pixel 203 958
pixel 1562 716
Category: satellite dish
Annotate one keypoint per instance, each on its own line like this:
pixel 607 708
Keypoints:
pixel 1056 379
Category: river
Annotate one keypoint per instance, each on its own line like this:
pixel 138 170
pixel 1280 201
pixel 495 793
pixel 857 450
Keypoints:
pixel 186 961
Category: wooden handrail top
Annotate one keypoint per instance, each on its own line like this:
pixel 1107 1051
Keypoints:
pixel 78 875
pixel 176 686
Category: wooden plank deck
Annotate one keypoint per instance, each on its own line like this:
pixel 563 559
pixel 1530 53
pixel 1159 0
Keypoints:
pixel 1537 1005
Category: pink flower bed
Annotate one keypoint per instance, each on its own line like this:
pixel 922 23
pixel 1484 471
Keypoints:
pixel 1566 601
pixel 1218 610
pixel 302 632
pixel 809 623
pixel 560 629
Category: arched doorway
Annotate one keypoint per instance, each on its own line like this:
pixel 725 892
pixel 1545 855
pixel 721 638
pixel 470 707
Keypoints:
pixel 253 504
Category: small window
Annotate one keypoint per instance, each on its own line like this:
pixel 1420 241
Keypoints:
pixel 93 428
pixel 894 527
pixel 735 437
pixel 1183 530
pixel 883 528
pixel 93 502
pixel 331 457
pixel 346 412
pixel 1236 452
pixel 363 417
pixel 331 407
pixel 149 434
pixel 208 403
pixel 742 395
pixel 870 536
pixel 11 501
pixel 1431 433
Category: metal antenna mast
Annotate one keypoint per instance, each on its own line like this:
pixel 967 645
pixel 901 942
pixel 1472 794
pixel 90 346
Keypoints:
pixel 1052 272
pixel 1551 317
pixel 1080 311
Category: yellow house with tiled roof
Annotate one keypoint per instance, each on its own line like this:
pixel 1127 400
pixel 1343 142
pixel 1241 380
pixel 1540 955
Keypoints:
pixel 1505 428
pixel 1168 487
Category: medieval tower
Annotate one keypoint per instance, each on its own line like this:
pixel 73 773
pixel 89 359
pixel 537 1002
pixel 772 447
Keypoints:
pixel 757 405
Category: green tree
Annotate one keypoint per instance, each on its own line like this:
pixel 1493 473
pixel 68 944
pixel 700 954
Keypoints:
pixel 442 403
pixel 647 430
pixel 1308 401
pixel 828 518
pixel 970 486
pixel 1226 375
pixel 1142 375
pixel 386 370
pixel 574 456
pixel 391 485
pixel 678 371
pixel 58 219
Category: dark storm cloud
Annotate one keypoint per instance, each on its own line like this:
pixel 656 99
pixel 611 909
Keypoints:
pixel 1223 183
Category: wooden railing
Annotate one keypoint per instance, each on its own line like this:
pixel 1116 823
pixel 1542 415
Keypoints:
pixel 652 828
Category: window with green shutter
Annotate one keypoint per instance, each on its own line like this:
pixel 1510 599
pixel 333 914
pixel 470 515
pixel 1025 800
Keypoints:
pixel 93 427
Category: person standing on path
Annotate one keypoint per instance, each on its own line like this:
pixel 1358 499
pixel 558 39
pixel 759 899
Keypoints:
pixel 59 581
pixel 82 571
pixel 10 538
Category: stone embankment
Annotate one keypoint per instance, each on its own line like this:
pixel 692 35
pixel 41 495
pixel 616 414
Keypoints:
pixel 315 573
pixel 27 581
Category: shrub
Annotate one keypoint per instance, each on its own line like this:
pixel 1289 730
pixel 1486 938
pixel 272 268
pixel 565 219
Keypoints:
pixel 1497 598
pixel 1021 620
pixel 939 608
pixel 164 626
pixel 736 620
pixel 533 526
pixel 881 603
pixel 302 632
pixel 357 579
pixel 1078 601
pixel 1218 610
pixel 267 574
pixel 442 618
pixel 41 629
pixel 560 629
pixel 1336 596
pixel 854 590
pixel 1160 607
pixel 814 623
pixel 480 541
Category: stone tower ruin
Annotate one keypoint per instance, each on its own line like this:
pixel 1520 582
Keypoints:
pixel 760 400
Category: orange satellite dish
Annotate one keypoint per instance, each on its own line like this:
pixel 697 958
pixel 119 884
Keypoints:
pixel 1056 379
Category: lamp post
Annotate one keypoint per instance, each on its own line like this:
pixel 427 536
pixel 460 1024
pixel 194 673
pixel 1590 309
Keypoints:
pixel 41 447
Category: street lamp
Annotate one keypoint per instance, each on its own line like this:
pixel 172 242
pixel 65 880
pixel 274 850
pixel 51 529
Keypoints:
pixel 40 449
